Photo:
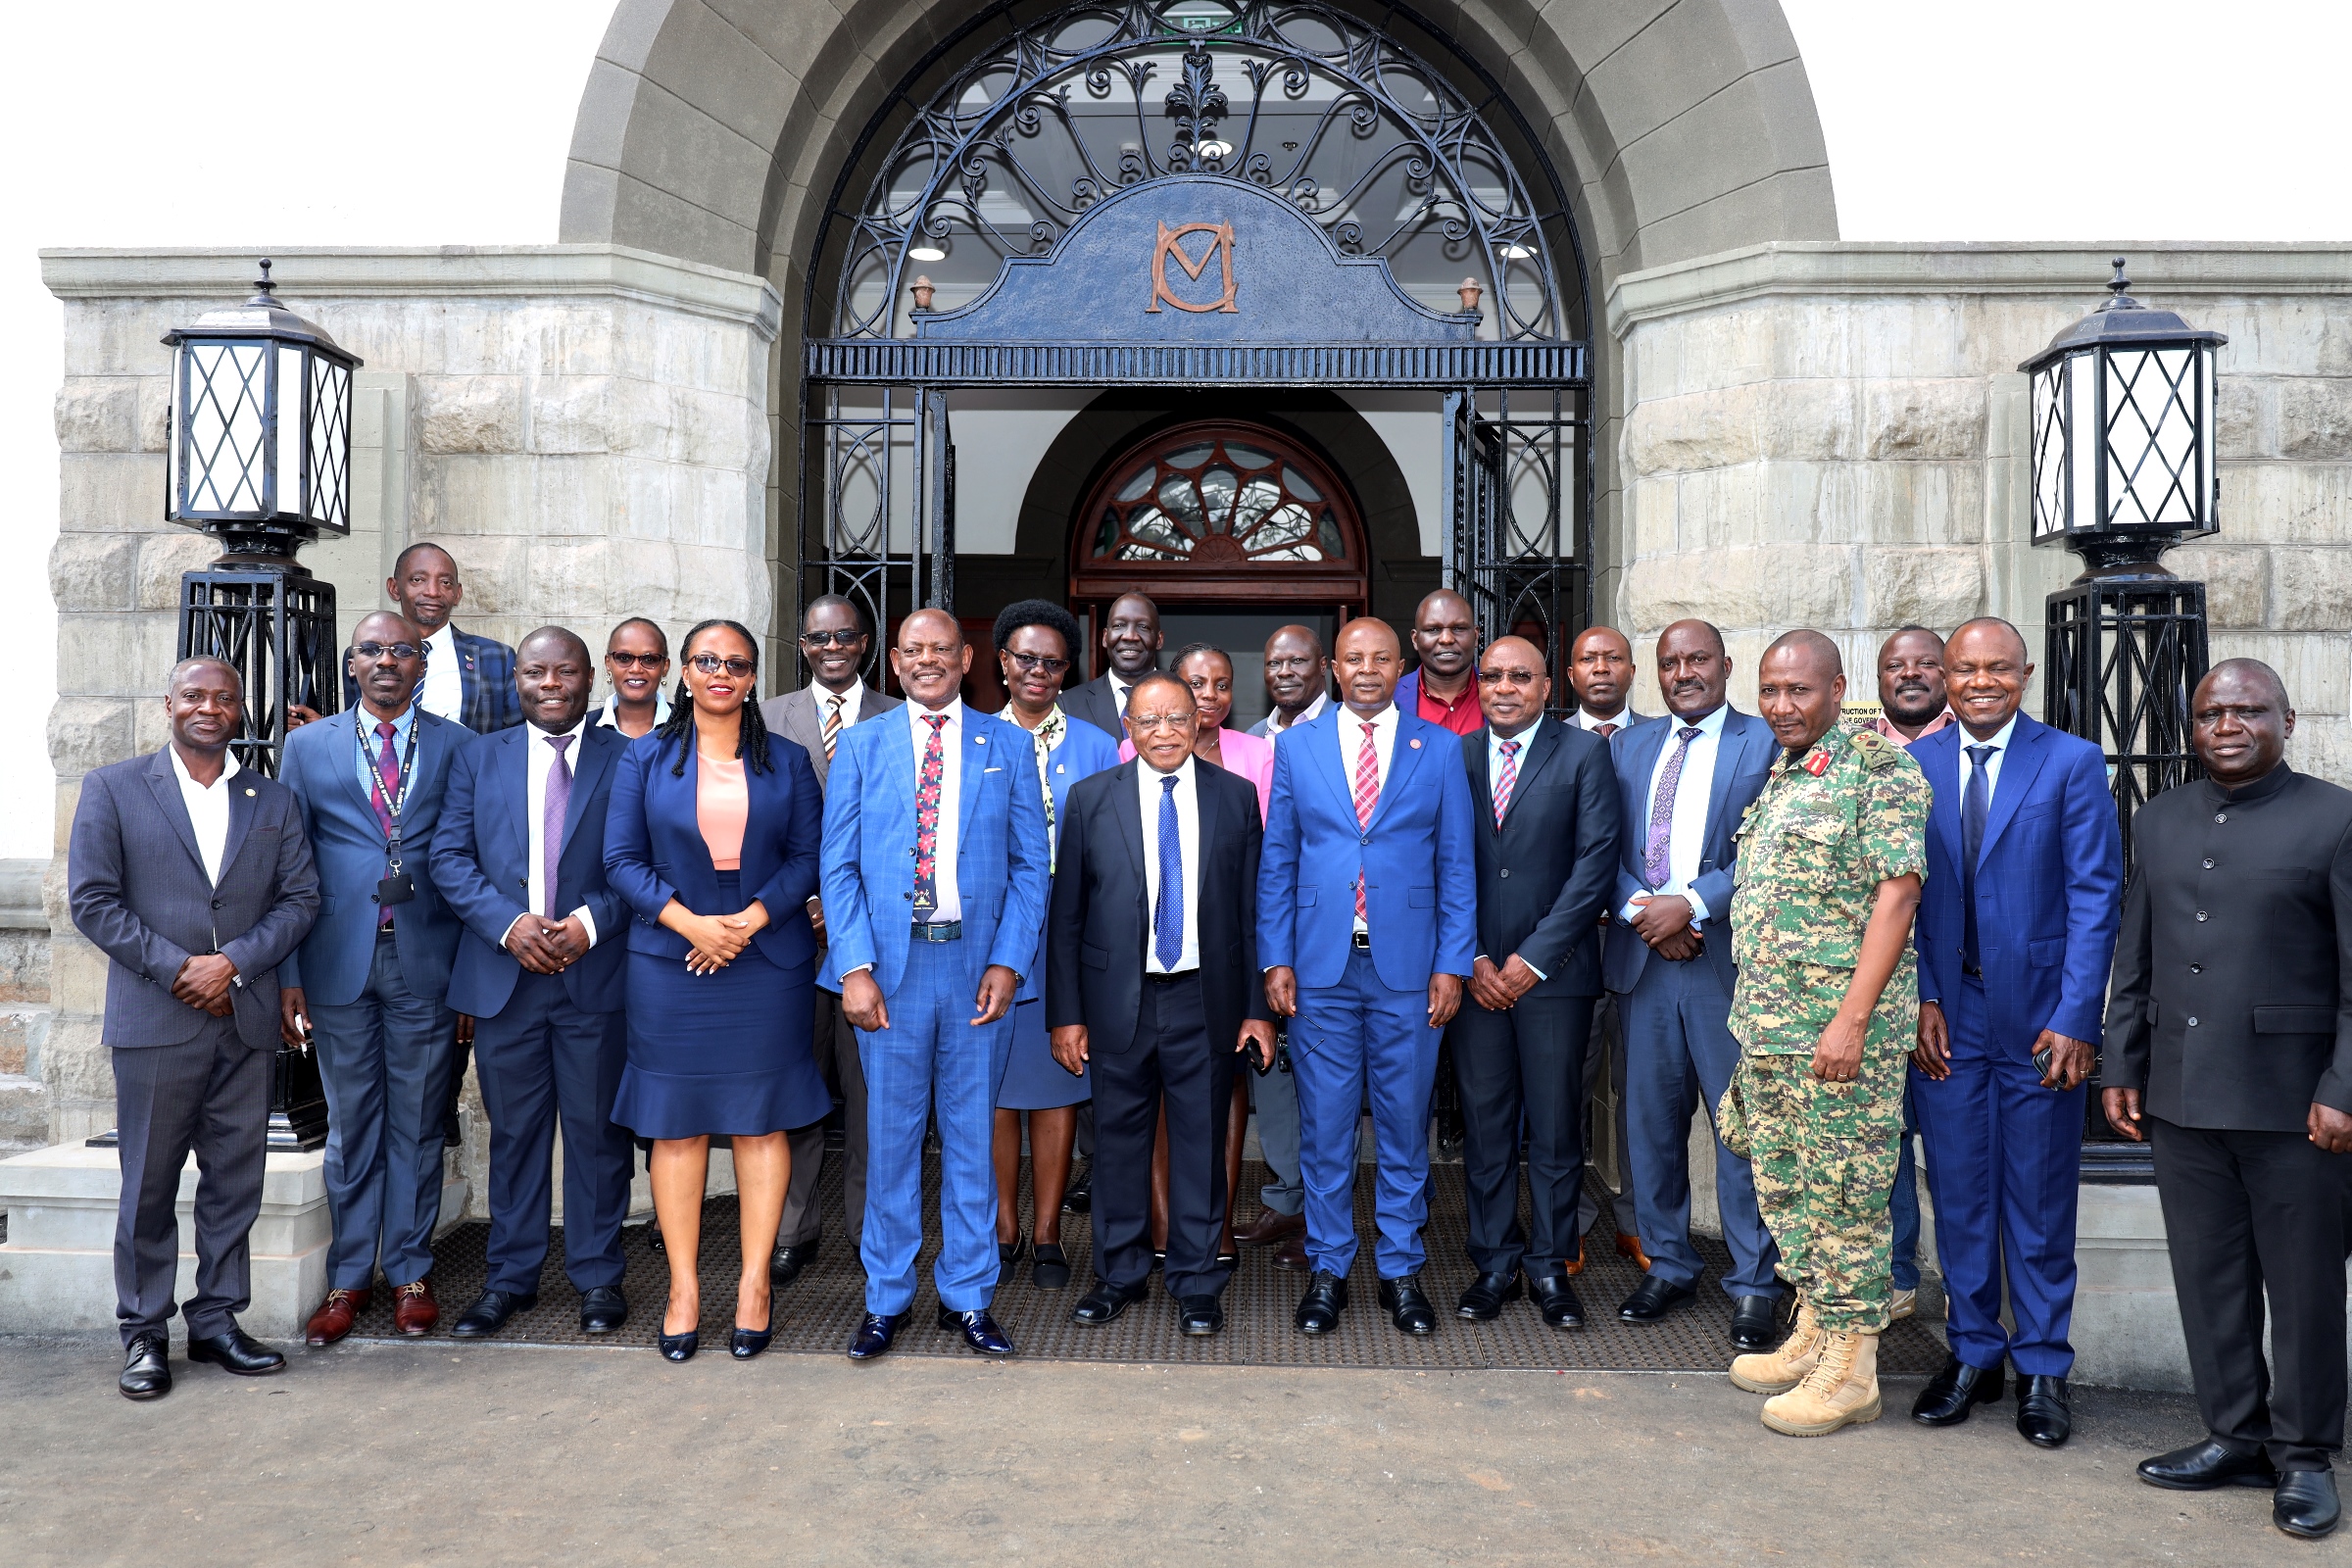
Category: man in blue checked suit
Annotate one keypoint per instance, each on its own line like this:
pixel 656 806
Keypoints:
pixel 2017 927
pixel 1367 895
pixel 935 876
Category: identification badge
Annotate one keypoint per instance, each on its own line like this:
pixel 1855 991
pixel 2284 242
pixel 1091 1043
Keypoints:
pixel 399 888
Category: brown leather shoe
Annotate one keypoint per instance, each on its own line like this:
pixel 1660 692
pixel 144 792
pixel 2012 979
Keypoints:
pixel 1271 1228
pixel 1576 1264
pixel 1292 1253
pixel 334 1316
pixel 414 1309
pixel 1629 1247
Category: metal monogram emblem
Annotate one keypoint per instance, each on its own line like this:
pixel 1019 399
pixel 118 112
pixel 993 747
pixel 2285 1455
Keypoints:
pixel 1170 244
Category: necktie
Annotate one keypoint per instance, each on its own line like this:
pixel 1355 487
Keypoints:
pixel 552 813
pixel 386 793
pixel 1976 804
pixel 1655 861
pixel 1604 731
pixel 1367 797
pixel 832 723
pixel 1167 921
pixel 1507 779
pixel 926 819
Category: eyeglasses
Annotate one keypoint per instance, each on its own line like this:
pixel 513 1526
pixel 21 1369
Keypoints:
pixel 712 664
pixel 1143 721
pixel 831 639
pixel 621 660
pixel 396 649
pixel 1032 663
pixel 1517 677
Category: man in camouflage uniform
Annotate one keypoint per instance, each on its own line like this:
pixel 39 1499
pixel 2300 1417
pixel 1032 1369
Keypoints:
pixel 1831 858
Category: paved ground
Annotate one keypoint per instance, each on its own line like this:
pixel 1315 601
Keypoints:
pixel 500 1455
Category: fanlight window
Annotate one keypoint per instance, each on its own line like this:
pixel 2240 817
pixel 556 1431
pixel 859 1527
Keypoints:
pixel 1210 497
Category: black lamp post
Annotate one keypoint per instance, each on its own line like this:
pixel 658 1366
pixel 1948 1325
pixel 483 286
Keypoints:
pixel 2122 470
pixel 261 459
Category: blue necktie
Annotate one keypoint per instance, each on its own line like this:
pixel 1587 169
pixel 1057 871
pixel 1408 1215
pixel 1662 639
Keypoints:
pixel 1167 921
pixel 1976 804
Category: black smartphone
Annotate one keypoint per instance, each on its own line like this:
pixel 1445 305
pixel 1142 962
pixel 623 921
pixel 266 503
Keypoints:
pixel 2041 1062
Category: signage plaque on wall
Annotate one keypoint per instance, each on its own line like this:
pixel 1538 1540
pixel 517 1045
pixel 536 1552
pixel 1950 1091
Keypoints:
pixel 1171 245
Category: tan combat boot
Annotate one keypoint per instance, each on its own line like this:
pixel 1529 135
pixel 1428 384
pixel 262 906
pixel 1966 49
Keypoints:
pixel 1777 1371
pixel 1841 1390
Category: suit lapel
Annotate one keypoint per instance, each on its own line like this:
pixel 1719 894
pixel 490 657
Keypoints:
pixel 2028 749
pixel 1731 752
pixel 347 768
pixel 164 780
pixel 1128 812
pixel 1481 782
pixel 976 758
pixel 241 803
pixel 596 756
pixel 1939 765
pixel 1404 756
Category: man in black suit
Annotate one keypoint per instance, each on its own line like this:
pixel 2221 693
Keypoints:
pixel 193 875
pixel 2229 1048
pixel 1547 848
pixel 1130 640
pixel 1151 979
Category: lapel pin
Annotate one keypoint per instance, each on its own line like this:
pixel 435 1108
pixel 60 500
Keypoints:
pixel 1415 743
pixel 979 740
pixel 249 794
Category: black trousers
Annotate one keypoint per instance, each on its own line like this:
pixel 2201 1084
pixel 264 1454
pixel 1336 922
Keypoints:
pixel 1173 1059
pixel 1524 1066
pixel 2249 1214
pixel 209 1096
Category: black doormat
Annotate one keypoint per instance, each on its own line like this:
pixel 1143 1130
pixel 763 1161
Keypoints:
pixel 818 1311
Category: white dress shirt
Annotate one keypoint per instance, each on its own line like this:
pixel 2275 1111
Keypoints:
pixel 1188 843
pixel 537 758
pixel 2000 743
pixel 1585 718
pixel 443 691
pixel 1524 740
pixel 207 810
pixel 1687 832
pixel 951 798
pixel 1307 714
pixel 1352 741
pixel 610 718
pixel 851 702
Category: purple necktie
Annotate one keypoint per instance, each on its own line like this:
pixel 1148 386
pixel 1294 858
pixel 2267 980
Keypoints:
pixel 551 819
pixel 386 793
pixel 1655 861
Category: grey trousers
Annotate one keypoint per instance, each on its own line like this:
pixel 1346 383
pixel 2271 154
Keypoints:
pixel 209 1096
pixel 803 1223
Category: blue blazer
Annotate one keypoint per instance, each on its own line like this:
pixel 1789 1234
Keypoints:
pixel 1743 758
pixel 1083 750
pixel 2049 883
pixel 1417 859
pixel 482 864
pixel 654 849
pixel 1001 854
pixel 321 767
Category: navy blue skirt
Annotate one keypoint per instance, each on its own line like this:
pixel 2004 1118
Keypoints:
pixel 720 1053
pixel 1033 1079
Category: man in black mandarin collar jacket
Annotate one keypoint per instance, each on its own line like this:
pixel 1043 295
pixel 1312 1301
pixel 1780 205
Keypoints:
pixel 2230 1047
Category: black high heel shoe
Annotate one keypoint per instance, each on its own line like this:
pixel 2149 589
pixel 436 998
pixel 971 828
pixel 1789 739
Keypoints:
pixel 744 1344
pixel 680 1346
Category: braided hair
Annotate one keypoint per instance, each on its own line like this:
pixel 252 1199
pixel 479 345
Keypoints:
pixel 750 743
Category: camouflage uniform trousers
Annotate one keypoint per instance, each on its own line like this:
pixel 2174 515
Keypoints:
pixel 1825 1156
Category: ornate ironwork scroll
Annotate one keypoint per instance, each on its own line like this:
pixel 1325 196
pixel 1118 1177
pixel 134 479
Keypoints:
pixel 1520 471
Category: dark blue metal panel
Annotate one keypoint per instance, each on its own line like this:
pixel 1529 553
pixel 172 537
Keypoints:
pixel 873 360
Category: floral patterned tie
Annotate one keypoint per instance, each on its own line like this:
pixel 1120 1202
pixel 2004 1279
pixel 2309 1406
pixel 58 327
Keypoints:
pixel 926 819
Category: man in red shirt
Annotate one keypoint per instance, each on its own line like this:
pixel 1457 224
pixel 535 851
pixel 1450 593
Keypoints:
pixel 1445 690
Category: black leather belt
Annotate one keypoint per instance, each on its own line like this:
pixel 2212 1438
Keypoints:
pixel 938 931
pixel 1363 939
pixel 1172 979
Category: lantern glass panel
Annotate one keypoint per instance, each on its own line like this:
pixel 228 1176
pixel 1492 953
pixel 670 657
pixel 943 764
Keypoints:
pixel 330 442
pixel 2049 451
pixel 2081 428
pixel 2209 489
pixel 2152 437
pixel 287 470
pixel 223 428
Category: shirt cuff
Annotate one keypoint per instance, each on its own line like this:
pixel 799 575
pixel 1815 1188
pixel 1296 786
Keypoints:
pixel 862 968
pixel 587 923
pixel 1531 968
pixel 510 926
pixel 1698 906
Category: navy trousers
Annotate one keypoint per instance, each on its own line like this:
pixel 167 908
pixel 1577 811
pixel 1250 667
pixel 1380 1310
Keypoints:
pixel 1523 1068
pixel 1172 1061
pixel 1902 1204
pixel 2004 1158
pixel 1679 1055
pixel 932 1061
pixel 385 1058
pixel 1349 1041
pixel 543 1062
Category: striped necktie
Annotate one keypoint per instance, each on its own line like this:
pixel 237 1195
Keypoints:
pixel 1507 779
pixel 1367 797
pixel 832 722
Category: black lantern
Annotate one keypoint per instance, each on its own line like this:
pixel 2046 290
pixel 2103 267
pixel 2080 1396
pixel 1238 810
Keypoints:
pixel 2122 470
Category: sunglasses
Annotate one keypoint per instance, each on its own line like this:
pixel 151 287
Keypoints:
pixel 831 639
pixel 1032 663
pixel 396 649
pixel 712 664
pixel 621 660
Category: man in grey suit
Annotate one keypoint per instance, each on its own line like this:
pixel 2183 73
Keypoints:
pixel 835 640
pixel 194 877
pixel 1130 640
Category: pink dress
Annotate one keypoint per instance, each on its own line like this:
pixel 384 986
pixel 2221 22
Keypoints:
pixel 1250 755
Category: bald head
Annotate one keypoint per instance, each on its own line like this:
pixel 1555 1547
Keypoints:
pixel 1801 686
pixel 931 657
pixel 554 674
pixel 1986 668
pixel 555 639
pixel 2240 722
pixel 1512 685
pixel 1991 627
pixel 1600 670
pixel 207 668
pixel 2242 673
pixel 204 704
pixel 1820 653
pixel 1368 661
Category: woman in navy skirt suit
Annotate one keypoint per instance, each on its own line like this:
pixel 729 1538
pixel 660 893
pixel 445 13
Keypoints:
pixel 712 841
pixel 1034 642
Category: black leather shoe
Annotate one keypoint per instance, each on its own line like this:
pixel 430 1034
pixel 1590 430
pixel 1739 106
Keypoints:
pixel 1049 1272
pixel 1105 1303
pixel 744 1344
pixel 2043 1417
pixel 1079 1197
pixel 1482 1300
pixel 2204 1466
pixel 875 1334
pixel 146 1368
pixel 1954 1391
pixel 236 1352
pixel 1320 1308
pixel 791 1258
pixel 489 1313
pixel 1653 1299
pixel 602 1310
pixel 980 1331
pixel 2305 1504
pixel 1756 1322
pixel 1557 1299
pixel 1199 1315
pixel 1406 1306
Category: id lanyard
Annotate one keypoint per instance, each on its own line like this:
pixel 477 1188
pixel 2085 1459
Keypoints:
pixel 400 790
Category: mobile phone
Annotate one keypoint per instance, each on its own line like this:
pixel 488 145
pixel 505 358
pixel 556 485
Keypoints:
pixel 2041 1062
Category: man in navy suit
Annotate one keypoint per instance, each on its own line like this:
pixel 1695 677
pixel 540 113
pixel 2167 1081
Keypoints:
pixel 373 979
pixel 937 804
pixel 519 855
pixel 2015 933
pixel 1367 895
pixel 1684 782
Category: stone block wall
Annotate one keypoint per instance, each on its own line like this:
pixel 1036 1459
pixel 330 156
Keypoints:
pixel 1836 435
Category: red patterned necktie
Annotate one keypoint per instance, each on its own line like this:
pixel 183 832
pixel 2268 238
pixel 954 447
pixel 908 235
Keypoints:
pixel 1507 779
pixel 1604 731
pixel 926 819
pixel 1367 797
